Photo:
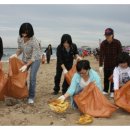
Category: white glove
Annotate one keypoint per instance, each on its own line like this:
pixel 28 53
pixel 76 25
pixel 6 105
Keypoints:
pixel 65 71
pixel 14 55
pixel 62 98
pixel 78 58
pixel 23 68
pixel 101 70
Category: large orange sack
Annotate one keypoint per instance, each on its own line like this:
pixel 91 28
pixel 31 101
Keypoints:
pixel 91 101
pixel 122 97
pixel 3 80
pixel 69 74
pixel 16 85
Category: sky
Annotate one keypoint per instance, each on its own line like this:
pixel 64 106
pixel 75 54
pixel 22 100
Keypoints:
pixel 84 22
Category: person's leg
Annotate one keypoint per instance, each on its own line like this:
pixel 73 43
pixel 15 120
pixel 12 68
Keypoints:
pixel 111 85
pixel 106 81
pixel 33 73
pixel 65 85
pixel 57 79
pixel 48 59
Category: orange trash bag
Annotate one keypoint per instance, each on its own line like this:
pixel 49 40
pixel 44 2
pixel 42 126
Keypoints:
pixel 3 80
pixel 91 101
pixel 122 97
pixel 70 74
pixel 16 85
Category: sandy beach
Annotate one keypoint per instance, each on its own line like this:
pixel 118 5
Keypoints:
pixel 40 113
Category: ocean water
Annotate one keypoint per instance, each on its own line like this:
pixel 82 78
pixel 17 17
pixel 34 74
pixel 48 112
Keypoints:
pixel 9 51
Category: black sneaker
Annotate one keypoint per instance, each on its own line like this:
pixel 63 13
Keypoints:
pixel 55 93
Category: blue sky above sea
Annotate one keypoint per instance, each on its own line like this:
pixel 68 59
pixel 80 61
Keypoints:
pixel 84 22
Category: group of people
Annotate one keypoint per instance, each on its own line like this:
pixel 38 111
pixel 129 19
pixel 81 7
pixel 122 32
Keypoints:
pixel 111 60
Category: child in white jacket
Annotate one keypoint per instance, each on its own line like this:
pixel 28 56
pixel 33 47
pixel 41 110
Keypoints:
pixel 121 73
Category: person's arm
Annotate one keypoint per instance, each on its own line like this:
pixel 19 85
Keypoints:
pixel 119 48
pixel 1 48
pixel 75 50
pixel 45 50
pixel 116 79
pixel 51 51
pixel 101 55
pixel 72 88
pixel 59 57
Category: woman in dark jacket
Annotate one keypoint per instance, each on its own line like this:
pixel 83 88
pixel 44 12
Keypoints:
pixel 48 53
pixel 65 56
pixel 1 48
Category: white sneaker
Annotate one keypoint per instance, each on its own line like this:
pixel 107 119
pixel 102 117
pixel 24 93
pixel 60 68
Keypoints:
pixel 111 94
pixel 30 101
pixel 105 93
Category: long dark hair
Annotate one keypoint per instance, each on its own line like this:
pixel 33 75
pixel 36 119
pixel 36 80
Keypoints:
pixel 66 38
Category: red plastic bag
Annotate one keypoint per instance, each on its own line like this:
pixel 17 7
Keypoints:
pixel 16 85
pixel 122 97
pixel 91 101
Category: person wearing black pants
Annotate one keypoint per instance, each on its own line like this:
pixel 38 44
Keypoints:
pixel 48 53
pixel 1 48
pixel 107 84
pixel 110 48
pixel 66 52
pixel 58 78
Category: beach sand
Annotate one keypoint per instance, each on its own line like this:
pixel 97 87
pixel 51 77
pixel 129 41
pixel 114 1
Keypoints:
pixel 40 113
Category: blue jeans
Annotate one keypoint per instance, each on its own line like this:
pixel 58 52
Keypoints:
pixel 33 73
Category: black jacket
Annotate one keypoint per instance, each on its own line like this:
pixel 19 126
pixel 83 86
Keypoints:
pixel 1 48
pixel 64 57
pixel 48 52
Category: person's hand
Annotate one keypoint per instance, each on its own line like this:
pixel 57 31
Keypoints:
pixel 78 58
pixel 101 70
pixel 65 71
pixel 14 55
pixel 23 68
pixel 62 98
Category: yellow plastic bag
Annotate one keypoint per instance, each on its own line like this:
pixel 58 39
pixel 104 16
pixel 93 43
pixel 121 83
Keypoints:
pixel 85 119
pixel 58 106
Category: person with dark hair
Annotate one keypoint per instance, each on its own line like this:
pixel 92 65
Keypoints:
pixel 66 52
pixel 1 48
pixel 29 46
pixel 121 74
pixel 84 75
pixel 48 52
pixel 110 48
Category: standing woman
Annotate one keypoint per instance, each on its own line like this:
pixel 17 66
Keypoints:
pixel 28 45
pixel 48 53
pixel 1 48
pixel 66 52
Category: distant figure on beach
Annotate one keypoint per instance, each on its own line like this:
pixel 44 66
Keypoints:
pixel 48 52
pixel 29 46
pixel 110 48
pixel 66 52
pixel 96 54
pixel 1 48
